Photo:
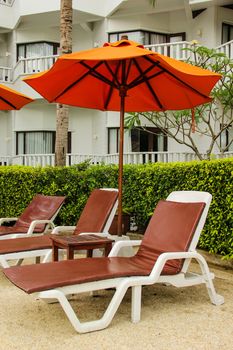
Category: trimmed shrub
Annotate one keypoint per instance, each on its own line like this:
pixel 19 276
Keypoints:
pixel 143 187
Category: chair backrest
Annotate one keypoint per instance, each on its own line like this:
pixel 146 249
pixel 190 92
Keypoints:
pixel 192 197
pixel 98 212
pixel 175 227
pixel 41 208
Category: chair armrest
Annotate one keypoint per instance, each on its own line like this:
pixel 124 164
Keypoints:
pixel 164 257
pixel 2 220
pixel 60 229
pixel 121 244
pixel 37 222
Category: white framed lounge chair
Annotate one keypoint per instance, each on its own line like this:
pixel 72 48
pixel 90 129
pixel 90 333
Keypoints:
pixel 36 218
pixel 96 217
pixel 164 254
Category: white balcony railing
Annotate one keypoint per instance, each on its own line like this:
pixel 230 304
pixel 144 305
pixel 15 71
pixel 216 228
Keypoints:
pixel 33 65
pixel 226 48
pixel 174 50
pixel 27 66
pixel 38 64
pixel 129 158
pixel 5 74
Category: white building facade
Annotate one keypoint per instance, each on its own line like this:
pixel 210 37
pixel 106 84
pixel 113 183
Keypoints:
pixel 29 42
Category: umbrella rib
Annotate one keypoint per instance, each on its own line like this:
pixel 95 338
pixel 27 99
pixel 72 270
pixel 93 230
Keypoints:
pixel 139 79
pixel 76 81
pixel 7 102
pixel 149 85
pixel 114 75
pixel 175 77
pixel 94 73
pixel 91 71
pixel 128 69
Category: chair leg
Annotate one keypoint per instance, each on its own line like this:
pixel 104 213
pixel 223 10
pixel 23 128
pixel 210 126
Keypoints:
pixel 47 257
pixel 136 304
pixel 19 262
pixel 4 262
pixel 91 325
pixel 215 298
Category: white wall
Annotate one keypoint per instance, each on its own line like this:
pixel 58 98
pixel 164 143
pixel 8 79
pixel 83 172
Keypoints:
pixel 7 17
pixel 32 35
pixel 29 7
pixel 37 115
pixel 89 127
pixel 178 23
pixel 157 22
pixel 224 16
pixel 205 24
pixel 88 131
pixel 174 146
pixel 3 49
pixel 99 132
pixel 100 32
pixel 5 136
pixel 81 39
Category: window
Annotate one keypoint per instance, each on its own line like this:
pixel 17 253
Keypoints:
pixel 226 139
pixel 148 140
pixel 227 32
pixel 33 51
pixel 113 140
pixel 138 140
pixel 37 142
pixel 147 37
pixel 37 49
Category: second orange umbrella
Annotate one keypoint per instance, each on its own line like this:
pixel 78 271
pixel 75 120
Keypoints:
pixel 11 99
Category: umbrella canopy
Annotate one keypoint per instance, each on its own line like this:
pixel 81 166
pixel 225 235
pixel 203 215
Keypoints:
pixel 124 76
pixel 11 99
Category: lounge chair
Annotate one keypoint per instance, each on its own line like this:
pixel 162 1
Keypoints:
pixel 163 257
pixel 36 218
pixel 96 217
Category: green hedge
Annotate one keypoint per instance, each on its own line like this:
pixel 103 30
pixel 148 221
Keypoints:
pixel 143 186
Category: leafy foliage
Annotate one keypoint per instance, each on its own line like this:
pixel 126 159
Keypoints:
pixel 143 186
pixel 211 119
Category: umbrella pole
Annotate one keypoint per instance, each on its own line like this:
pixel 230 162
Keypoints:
pixel 121 151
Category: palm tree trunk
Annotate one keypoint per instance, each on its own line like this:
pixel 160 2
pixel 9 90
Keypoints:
pixel 62 121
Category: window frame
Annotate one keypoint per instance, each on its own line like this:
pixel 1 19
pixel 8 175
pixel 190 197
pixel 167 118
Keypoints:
pixel 54 44
pixel 154 131
pixel 229 28
pixel 117 138
pixel 226 138
pixel 45 131
pixel 150 32
pixel 165 138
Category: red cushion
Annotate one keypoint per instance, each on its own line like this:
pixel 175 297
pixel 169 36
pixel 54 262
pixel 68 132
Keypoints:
pixel 96 211
pixel 170 230
pixel 41 208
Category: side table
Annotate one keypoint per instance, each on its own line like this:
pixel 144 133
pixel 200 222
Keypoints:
pixel 79 242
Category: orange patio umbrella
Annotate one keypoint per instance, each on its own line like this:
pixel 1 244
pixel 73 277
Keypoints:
pixel 11 99
pixel 124 76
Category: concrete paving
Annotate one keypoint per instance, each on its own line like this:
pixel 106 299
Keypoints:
pixel 172 318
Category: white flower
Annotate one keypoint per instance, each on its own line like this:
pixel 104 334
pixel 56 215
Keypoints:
pixel 194 42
